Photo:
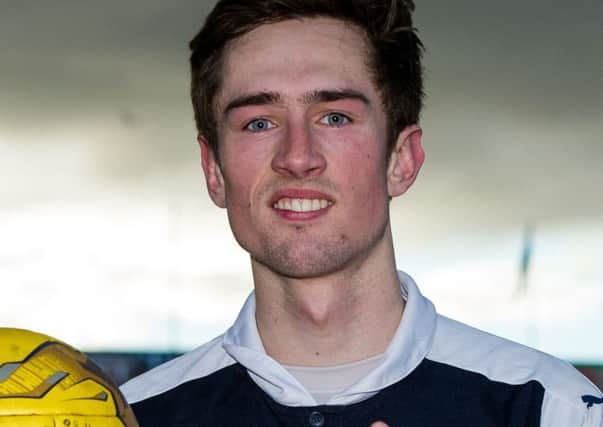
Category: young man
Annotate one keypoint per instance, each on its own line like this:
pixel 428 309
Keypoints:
pixel 308 113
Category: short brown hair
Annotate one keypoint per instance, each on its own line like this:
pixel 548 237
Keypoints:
pixel 395 51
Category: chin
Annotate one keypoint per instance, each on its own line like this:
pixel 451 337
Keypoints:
pixel 308 261
pixel 312 255
pixel 301 271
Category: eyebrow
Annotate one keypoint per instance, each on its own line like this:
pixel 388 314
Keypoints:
pixel 260 98
pixel 315 96
pixel 318 96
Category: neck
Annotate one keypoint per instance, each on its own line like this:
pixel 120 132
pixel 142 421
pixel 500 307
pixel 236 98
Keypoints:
pixel 343 317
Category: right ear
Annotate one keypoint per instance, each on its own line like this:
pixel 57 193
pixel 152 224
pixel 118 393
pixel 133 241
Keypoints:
pixel 213 173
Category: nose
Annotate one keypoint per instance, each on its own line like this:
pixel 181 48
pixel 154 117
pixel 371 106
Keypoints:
pixel 299 155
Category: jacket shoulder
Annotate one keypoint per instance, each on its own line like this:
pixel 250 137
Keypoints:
pixel 196 364
pixel 508 362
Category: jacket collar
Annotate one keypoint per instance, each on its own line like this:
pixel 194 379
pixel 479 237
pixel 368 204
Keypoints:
pixel 409 346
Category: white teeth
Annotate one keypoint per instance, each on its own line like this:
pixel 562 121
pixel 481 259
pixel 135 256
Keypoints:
pixel 296 205
pixel 301 205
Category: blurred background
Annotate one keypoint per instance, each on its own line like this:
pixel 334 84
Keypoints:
pixel 109 241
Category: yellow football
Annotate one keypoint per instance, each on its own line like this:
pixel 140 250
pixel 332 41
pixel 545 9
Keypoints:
pixel 46 383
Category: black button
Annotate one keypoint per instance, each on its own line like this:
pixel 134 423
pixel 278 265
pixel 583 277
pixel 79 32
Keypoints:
pixel 316 419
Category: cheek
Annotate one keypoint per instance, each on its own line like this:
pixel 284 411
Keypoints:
pixel 243 168
pixel 238 191
pixel 366 176
pixel 238 207
pixel 366 163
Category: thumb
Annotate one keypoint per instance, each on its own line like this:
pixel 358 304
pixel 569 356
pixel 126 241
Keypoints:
pixel 379 424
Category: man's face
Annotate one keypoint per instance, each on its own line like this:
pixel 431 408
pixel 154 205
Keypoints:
pixel 302 166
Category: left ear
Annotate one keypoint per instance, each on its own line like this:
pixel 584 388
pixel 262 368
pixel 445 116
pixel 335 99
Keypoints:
pixel 405 161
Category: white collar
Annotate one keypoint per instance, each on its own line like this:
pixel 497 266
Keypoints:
pixel 409 346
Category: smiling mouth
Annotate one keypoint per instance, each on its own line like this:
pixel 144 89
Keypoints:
pixel 301 205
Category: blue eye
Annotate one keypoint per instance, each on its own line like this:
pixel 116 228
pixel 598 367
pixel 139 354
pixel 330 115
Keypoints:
pixel 259 125
pixel 335 119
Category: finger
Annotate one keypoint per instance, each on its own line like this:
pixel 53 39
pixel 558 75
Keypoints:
pixel 379 424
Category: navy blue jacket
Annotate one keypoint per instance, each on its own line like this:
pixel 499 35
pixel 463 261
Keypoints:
pixel 436 372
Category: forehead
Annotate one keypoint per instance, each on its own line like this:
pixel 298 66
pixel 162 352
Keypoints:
pixel 294 56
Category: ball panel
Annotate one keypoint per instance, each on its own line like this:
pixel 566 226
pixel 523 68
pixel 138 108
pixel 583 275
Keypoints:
pixel 16 344
pixel 60 421
pixel 46 380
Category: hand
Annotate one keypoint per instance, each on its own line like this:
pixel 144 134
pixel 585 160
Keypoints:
pixel 379 424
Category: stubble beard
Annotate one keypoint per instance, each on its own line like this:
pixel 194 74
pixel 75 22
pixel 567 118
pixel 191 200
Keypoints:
pixel 314 255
